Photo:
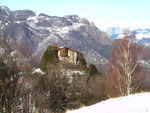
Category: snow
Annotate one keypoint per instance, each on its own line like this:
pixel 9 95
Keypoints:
pixel 77 72
pixel 4 25
pixel 70 72
pixel 5 9
pixel 140 32
pixel 137 103
pixel 55 29
pixel 18 22
pixel 64 30
pixel 141 36
pixel 51 39
pixel 2 51
pixel 14 53
pixel 38 71
pixel 147 44
pixel 60 31
pixel 34 18
pixel 32 21
pixel 113 30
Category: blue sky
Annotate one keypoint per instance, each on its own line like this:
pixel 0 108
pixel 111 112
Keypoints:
pixel 104 13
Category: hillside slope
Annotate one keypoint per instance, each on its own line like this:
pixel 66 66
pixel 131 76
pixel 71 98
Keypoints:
pixel 138 103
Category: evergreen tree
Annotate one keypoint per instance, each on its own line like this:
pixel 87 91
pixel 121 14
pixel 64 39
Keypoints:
pixel 49 57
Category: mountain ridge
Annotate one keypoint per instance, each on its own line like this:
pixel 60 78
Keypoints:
pixel 39 31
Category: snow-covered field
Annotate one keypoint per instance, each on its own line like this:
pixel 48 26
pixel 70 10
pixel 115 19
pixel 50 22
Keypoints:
pixel 138 103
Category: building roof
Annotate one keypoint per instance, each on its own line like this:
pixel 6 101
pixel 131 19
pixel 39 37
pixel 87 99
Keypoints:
pixel 67 48
pixel 56 47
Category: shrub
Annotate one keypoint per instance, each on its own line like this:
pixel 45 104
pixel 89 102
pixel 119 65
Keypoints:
pixel 92 71
pixel 82 60
pixel 56 93
pixel 49 57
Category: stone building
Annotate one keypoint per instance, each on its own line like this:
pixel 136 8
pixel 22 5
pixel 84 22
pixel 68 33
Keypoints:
pixel 65 54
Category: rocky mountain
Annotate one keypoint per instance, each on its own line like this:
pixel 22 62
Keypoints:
pixel 142 34
pixel 36 32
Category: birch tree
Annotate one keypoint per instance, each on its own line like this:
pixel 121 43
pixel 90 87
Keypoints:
pixel 124 70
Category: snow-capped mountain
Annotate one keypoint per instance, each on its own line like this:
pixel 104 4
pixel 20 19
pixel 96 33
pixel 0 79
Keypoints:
pixel 36 32
pixel 114 31
pixel 142 34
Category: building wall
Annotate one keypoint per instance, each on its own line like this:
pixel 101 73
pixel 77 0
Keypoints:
pixel 64 52
pixel 71 57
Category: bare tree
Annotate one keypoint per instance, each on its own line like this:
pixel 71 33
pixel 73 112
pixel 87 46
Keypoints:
pixel 124 70
pixel 9 73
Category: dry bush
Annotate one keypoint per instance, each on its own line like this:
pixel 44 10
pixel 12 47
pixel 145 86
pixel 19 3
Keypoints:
pixel 94 90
